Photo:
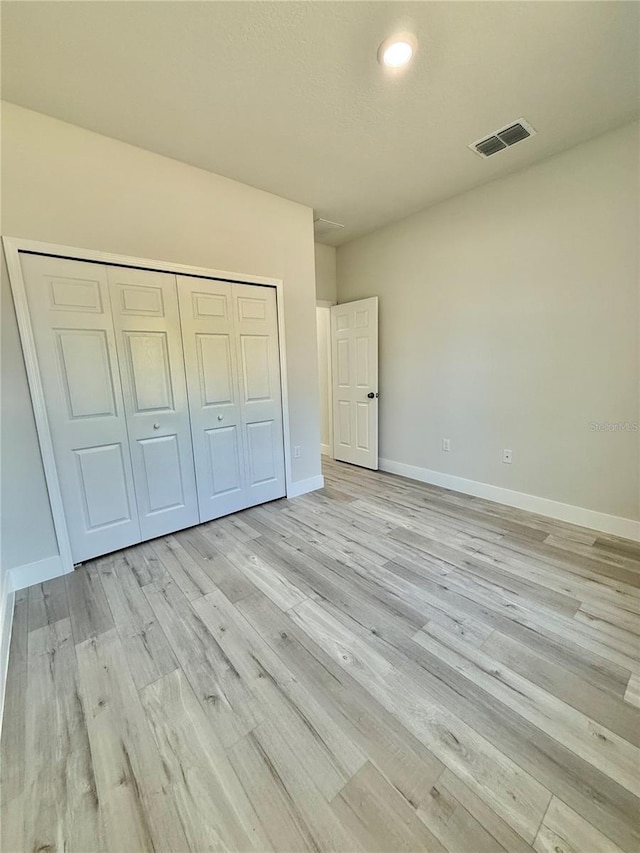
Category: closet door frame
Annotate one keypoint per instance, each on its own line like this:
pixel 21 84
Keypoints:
pixel 13 247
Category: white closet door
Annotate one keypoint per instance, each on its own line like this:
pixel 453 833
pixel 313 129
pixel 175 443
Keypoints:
pixel 148 339
pixel 230 340
pixel 208 336
pixel 72 324
pixel 260 389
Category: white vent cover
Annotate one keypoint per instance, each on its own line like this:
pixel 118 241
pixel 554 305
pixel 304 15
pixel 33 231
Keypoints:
pixel 325 226
pixel 502 139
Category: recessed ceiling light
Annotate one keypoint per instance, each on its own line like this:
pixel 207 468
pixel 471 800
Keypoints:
pixel 398 50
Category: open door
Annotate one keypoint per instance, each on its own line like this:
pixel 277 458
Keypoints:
pixel 354 350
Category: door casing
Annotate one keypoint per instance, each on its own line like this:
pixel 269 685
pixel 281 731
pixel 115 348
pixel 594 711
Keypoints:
pixel 13 246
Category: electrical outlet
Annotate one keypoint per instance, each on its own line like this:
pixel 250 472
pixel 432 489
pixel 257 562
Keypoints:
pixel 446 445
pixel 296 452
pixel 506 456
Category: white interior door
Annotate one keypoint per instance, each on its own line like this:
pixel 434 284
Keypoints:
pixel 256 322
pixel 208 336
pixel 354 350
pixel 149 344
pixel 231 354
pixel 71 318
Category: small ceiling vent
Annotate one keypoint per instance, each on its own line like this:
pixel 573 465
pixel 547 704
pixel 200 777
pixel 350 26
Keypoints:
pixel 325 226
pixel 503 138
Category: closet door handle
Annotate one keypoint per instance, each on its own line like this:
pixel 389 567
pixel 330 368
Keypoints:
pixel 220 417
pixel 156 426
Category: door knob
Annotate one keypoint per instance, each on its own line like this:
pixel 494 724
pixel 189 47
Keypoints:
pixel 156 426
pixel 371 395
pixel 220 417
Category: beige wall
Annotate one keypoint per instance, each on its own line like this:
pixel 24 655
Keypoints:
pixel 325 265
pixel 62 184
pixel 509 319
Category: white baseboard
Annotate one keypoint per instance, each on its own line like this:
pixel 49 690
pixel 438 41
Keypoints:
pixel 6 621
pixel 38 572
pixel 326 450
pixel 301 487
pixel 627 528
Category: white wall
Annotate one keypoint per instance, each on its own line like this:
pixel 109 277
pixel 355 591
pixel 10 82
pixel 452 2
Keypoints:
pixel 62 184
pixel 323 319
pixel 509 319
pixel 325 265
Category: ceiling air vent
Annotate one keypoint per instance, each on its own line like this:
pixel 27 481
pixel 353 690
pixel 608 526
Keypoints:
pixel 490 146
pixel 503 138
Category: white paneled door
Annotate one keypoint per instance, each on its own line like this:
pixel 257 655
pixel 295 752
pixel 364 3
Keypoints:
pixel 256 323
pixel 354 346
pixel 206 312
pixel 71 318
pixel 230 339
pixel 148 339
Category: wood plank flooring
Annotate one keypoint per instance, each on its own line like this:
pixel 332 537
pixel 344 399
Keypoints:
pixel 379 666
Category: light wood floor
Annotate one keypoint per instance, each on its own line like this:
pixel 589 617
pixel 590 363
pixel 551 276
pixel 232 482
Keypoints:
pixel 379 666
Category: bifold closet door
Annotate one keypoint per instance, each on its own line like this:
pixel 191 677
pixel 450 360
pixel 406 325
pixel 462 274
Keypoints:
pixel 230 339
pixel 256 324
pixel 72 324
pixel 149 345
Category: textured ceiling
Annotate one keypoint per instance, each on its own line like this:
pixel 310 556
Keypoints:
pixel 289 96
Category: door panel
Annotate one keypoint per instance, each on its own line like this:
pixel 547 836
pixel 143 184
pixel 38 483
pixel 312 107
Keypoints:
pixel 211 305
pixel 251 307
pixel 362 426
pixel 147 324
pixel 260 442
pixel 148 361
pixel 163 476
pixel 255 368
pixel 103 486
pixel 85 372
pixel 74 294
pixel 363 377
pixel 342 362
pixel 70 310
pixel 231 353
pixel 139 301
pixel 206 314
pixel 343 424
pixel 215 369
pixel 354 338
pixel 224 460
